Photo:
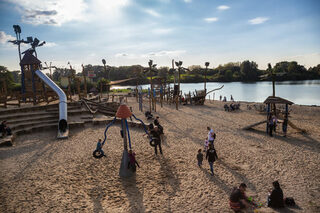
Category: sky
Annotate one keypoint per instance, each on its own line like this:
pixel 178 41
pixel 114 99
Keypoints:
pixel 130 32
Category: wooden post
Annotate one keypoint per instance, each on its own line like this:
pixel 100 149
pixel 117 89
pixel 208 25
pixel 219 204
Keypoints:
pixel 84 82
pixel 100 89
pixel 268 114
pixel 69 87
pixel 154 100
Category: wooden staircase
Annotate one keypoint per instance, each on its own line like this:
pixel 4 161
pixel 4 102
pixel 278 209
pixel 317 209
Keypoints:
pixel 29 119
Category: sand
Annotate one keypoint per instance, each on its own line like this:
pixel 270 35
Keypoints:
pixel 42 174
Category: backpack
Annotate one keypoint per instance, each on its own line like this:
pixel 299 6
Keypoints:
pixel 289 201
pixel 214 135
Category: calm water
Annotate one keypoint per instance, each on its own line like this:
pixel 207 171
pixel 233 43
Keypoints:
pixel 299 92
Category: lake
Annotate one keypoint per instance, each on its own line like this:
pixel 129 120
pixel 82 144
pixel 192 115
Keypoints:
pixel 300 92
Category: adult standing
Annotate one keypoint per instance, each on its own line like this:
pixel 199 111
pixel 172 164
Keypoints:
pixel 270 125
pixel 285 126
pixel 211 157
pixel 211 136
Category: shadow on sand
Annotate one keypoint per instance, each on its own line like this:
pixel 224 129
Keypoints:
pixel 309 143
pixel 133 193
pixel 170 180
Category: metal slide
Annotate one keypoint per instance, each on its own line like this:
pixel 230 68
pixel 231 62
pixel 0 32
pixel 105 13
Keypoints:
pixel 63 130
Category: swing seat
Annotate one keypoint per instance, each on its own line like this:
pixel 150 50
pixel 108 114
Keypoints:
pixel 97 154
pixel 154 142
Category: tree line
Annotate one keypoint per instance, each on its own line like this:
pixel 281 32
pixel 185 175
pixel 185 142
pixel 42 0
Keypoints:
pixel 238 71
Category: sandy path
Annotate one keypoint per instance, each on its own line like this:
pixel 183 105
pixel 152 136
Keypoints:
pixel 41 174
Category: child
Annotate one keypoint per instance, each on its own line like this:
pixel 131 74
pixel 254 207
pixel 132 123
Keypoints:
pixel 132 161
pixel 199 158
pixel 206 145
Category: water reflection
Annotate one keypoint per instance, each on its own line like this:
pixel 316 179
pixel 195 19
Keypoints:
pixel 300 92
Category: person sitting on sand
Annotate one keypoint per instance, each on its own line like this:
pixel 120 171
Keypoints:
pixel 4 129
pixel 226 107
pixel 211 156
pixel 232 107
pixel 199 158
pixel 238 199
pixel 132 161
pixel 275 198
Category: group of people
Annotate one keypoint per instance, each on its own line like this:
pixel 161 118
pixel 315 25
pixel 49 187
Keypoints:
pixel 231 107
pixel 225 98
pixel 273 122
pixel 5 129
pixel 239 201
pixel 211 153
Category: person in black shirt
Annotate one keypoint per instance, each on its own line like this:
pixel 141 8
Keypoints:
pixel 211 157
pixel 156 123
pixel 4 129
pixel 238 198
pixel 199 158
pixel 155 133
pixel 275 198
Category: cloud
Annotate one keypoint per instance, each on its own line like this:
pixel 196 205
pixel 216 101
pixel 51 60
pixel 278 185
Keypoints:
pixel 58 12
pixel 258 20
pixel 152 12
pixel 223 7
pixel 211 19
pixel 4 38
pixel 187 1
pixel 50 44
pixel 121 55
pixel 165 53
pixel 162 31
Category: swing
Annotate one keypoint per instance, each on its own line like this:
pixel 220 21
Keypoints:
pixel 97 154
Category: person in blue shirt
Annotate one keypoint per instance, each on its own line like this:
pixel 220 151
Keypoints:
pixel 99 147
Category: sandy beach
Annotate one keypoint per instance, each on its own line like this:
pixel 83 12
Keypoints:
pixel 42 174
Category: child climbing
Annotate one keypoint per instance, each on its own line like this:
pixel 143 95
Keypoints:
pixel 132 161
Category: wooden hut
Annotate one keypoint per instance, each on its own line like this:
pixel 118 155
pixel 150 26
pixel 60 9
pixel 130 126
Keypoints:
pixel 271 102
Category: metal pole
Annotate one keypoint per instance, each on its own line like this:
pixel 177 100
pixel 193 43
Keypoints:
pixel 124 171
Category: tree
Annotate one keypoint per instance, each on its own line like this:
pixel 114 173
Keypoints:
pixel 249 70
pixel 163 72
pixel 6 76
pixel 16 76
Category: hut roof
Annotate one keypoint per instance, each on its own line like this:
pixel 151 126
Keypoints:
pixel 123 111
pixel 28 58
pixel 277 100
